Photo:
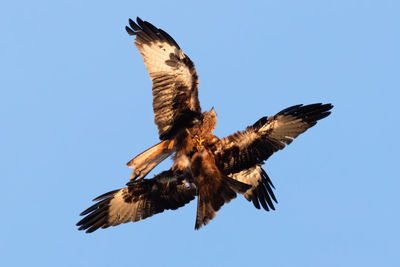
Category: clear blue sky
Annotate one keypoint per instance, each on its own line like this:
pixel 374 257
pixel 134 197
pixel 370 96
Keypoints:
pixel 75 106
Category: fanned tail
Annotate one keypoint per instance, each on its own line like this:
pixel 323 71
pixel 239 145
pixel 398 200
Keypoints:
pixel 208 204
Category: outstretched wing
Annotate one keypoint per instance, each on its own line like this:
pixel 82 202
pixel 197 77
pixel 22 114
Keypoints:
pixel 175 81
pixel 261 190
pixel 245 149
pixel 141 199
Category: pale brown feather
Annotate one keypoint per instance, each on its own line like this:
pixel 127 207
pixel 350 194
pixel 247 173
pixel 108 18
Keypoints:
pixel 175 81
pixel 143 163
pixel 141 199
pixel 245 149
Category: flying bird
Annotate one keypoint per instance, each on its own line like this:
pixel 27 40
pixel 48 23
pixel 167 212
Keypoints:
pixel 204 166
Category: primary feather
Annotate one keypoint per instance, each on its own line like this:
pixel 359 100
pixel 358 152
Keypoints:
pixel 175 81
pixel 213 170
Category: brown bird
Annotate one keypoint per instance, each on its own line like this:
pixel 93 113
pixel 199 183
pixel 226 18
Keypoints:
pixel 212 169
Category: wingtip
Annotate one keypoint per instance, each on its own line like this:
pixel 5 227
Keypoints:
pixel 327 106
pixel 133 25
pixel 131 22
pixel 139 21
pixel 129 30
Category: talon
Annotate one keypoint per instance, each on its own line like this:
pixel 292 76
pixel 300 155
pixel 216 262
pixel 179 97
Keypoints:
pixel 199 143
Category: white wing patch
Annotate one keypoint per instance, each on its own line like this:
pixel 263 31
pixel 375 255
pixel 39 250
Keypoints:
pixel 121 211
pixel 155 56
pixel 175 81
pixel 250 176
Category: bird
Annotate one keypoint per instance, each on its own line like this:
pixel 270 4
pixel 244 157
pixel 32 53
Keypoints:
pixel 205 167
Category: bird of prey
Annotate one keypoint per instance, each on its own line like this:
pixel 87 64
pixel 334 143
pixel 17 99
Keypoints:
pixel 204 166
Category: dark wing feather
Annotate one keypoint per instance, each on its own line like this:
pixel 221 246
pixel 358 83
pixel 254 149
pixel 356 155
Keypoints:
pixel 141 199
pixel 245 149
pixel 261 190
pixel 175 81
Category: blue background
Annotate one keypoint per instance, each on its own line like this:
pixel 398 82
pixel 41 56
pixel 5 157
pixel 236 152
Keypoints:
pixel 75 106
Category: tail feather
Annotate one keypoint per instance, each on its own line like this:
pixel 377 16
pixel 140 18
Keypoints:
pixel 208 205
pixel 205 213
pixel 143 163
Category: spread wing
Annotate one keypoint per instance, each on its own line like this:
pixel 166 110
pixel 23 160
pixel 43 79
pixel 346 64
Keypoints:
pixel 175 81
pixel 261 190
pixel 245 149
pixel 141 199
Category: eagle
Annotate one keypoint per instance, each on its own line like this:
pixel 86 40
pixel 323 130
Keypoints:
pixel 204 166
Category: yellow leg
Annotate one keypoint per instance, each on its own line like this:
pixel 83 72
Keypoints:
pixel 199 143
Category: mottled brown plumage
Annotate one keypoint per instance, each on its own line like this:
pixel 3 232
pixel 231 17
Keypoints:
pixel 212 169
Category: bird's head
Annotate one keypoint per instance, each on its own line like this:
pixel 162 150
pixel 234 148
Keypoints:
pixel 210 118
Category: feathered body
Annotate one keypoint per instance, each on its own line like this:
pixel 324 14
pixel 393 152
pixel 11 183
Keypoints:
pixel 213 170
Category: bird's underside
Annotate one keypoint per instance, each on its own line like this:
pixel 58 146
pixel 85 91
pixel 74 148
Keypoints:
pixel 213 170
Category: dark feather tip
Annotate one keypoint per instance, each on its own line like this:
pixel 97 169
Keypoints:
pixel 129 30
